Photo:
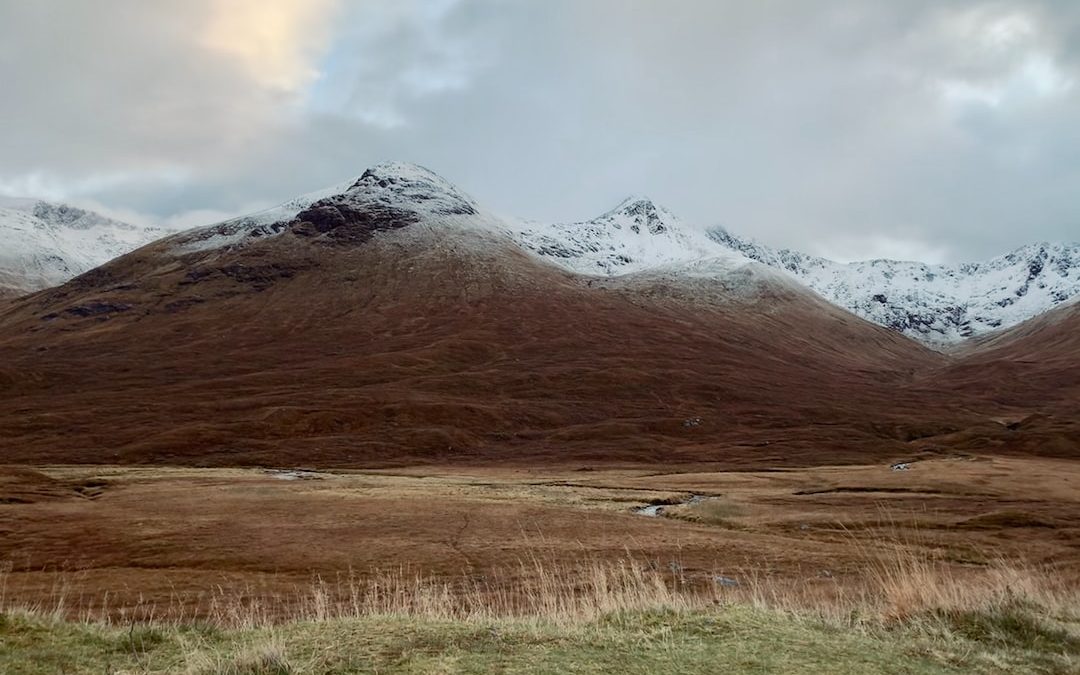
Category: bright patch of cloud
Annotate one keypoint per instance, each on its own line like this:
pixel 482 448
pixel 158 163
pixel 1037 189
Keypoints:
pixel 998 59
pixel 1036 77
pixel 276 41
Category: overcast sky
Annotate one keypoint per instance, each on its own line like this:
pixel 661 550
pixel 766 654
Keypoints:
pixel 939 131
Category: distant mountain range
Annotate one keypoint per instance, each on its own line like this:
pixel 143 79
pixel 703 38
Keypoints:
pixel 47 244
pixel 938 304
pixel 393 319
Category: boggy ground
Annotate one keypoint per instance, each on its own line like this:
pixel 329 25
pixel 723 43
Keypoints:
pixel 169 540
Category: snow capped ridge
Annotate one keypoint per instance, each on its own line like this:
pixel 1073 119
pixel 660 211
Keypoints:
pixel 639 212
pixel 634 236
pixel 389 191
pixel 58 215
pixel 47 243
pixel 936 304
pixel 751 248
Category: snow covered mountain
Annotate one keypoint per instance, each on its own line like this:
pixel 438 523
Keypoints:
pixel 936 304
pixel 635 236
pixel 397 318
pixel 396 191
pixel 45 243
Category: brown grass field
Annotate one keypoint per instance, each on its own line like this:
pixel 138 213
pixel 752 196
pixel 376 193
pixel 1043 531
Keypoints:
pixel 157 541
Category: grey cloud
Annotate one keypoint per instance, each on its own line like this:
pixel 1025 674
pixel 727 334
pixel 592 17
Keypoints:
pixel 851 128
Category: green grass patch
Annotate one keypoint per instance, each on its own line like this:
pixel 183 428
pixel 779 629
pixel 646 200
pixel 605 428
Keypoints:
pixel 737 639
pixel 1013 627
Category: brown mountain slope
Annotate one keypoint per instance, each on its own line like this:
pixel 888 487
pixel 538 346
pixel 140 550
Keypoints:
pixel 1049 343
pixel 1028 377
pixel 396 324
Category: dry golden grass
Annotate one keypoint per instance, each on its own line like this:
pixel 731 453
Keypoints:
pixel 907 585
pixel 709 511
pixel 835 569
pixel 912 613
pixel 780 533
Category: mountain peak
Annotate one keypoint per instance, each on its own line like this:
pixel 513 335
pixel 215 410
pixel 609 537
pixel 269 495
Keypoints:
pixel 409 186
pixel 388 195
pixel 635 236
pixel 636 200
pixel 398 170
pixel 639 214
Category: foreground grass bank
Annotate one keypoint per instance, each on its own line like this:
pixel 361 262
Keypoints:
pixel 910 614
pixel 736 638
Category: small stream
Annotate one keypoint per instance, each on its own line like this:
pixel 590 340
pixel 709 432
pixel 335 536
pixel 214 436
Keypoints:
pixel 295 474
pixel 657 510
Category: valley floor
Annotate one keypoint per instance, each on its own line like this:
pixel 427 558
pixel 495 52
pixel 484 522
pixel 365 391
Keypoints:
pixel 164 536
pixel 940 565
